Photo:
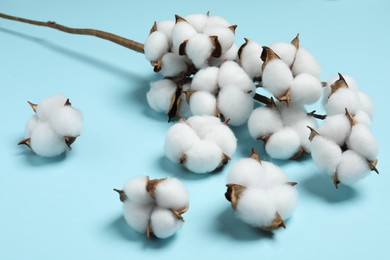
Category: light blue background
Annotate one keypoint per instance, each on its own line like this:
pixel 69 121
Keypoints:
pixel 65 208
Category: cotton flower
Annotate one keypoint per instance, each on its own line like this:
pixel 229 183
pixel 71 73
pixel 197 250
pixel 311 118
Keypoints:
pixel 154 207
pixel 260 194
pixel 54 127
pixel 202 143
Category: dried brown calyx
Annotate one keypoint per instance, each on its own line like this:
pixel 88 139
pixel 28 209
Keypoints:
pixel 286 97
pixel 122 195
pixel 242 48
pixel 151 186
pixel 295 41
pixel 233 193
pixel 338 84
pixel 276 223
pixel 268 55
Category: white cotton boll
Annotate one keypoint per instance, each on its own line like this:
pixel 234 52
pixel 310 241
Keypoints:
pixel 291 113
pixel 198 21
pixel 31 124
pixel 230 54
pixel 273 175
pixel 172 65
pixel 164 223
pixel 170 193
pixel 136 215
pixel 362 118
pixel 235 105
pixel 366 103
pixel 225 36
pixel 160 95
pixel 283 144
pixel 224 137
pixel 166 27
pixel 246 172
pixel 256 207
pixel 340 100
pixel 135 190
pixel 156 45
pixel 264 121
pixel 203 157
pixel 250 59
pixel 301 128
pixel 199 49
pixel 203 103
pixel 45 142
pixel 202 125
pixel 277 77
pixel 67 121
pixel 206 79
pixel 352 168
pixel 285 50
pixel 326 154
pixel 217 21
pixel 362 141
pixel 179 138
pixel 305 89
pixel 48 105
pixel 180 32
pixel 232 75
pixel 336 128
pixel 305 63
pixel 285 198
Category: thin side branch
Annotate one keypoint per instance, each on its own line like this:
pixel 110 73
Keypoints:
pixel 130 44
pixel 318 116
pixel 265 100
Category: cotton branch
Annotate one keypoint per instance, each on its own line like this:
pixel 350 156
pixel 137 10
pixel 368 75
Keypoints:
pixel 130 44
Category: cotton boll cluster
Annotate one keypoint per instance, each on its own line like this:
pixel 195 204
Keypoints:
pixel 260 193
pixel 54 127
pixel 154 207
pixel 201 143
pixel 283 129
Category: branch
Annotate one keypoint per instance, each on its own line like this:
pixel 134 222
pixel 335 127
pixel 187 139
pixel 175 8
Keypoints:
pixel 313 114
pixel 265 100
pixel 130 44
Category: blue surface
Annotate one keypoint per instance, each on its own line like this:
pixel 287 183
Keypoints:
pixel 65 208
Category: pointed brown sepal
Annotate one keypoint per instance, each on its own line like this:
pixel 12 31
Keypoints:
pixel 254 155
pixel 295 41
pixel 217 47
pixel 233 193
pixel 122 195
pixel 224 160
pixel 324 84
pixel 242 48
pixel 340 83
pixel 182 48
pixel 156 65
pixel 67 103
pixel 351 120
pixel 151 186
pixel 149 231
pixel 292 183
pixel 276 223
pixel 373 165
pixel 188 94
pixel 267 55
pixel 180 212
pixel 313 133
pixel 26 142
pixel 233 28
pixel 183 159
pixel 298 154
pixel 154 28
pixel 264 138
pixel 175 104
pixel 69 140
pixel 286 97
pixel 178 19
pixel 336 180
pixel 33 106
pixel 226 122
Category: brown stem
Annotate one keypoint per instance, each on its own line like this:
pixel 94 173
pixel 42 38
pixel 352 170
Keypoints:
pixel 265 100
pixel 318 116
pixel 130 44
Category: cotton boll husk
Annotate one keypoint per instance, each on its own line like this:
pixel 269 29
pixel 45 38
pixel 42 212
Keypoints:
pixel 199 49
pixel 285 50
pixel 305 89
pixel 340 100
pixel 48 105
pixel 164 223
pixel 235 105
pixel 352 167
pixel 206 79
pixel 366 104
pixel 203 103
pixel 166 27
pixel 305 63
pixel 283 144
pixel 362 118
pixel 326 154
pixel 225 36
pixel 180 32
pixel 170 193
pixel 160 95
pixel 156 45
pixel 273 175
pixel 301 128
pixel 256 207
pixel 285 198
pixel 336 128
pixel 224 137
pixel 362 141
pixel 179 138
pixel 172 65
pixel 45 142
pixel 135 190
pixel 217 21
pixel 264 121
pixel 246 172
pixel 31 124
pixel 232 75
pixel 136 215
pixel 203 157
pixel 250 59
pixel 277 77
pixel 67 121
pixel 202 125
pixel 291 113
pixel 351 82
pixel 198 21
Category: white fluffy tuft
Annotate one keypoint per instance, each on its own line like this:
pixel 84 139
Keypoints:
pixel 246 172
pixel 285 50
pixel 199 49
pixel 326 154
pixel 156 45
pixel 336 128
pixel 305 89
pixel 172 65
pixel 362 141
pixel 67 121
pixel 283 144
pixel 206 79
pixel 135 190
pixel 164 223
pixel 137 215
pixel 203 157
pixel 160 95
pixel 305 63
pixel 277 77
pixel 170 193
pixel 45 142
pixel 203 103
pixel 232 75
pixel 264 121
pixel 352 167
